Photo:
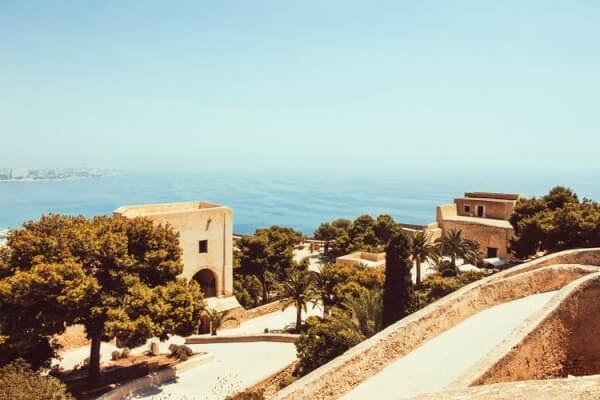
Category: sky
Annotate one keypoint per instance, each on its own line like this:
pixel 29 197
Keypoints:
pixel 282 86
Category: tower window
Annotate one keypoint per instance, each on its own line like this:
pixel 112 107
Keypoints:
pixel 203 246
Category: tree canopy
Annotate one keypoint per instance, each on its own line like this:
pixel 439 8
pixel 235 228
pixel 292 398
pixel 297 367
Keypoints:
pixel 116 276
pixel 268 254
pixel 19 382
pixel 555 222
pixel 365 233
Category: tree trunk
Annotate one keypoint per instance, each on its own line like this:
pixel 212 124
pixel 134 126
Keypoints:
pixel 265 292
pixel 298 317
pixel 418 272
pixel 94 360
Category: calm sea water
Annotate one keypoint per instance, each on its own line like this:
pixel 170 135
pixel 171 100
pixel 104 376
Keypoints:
pixel 259 201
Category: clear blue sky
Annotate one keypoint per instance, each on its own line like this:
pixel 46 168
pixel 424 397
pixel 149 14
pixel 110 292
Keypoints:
pixel 388 85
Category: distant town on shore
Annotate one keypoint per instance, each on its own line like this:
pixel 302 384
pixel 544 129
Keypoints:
pixel 30 174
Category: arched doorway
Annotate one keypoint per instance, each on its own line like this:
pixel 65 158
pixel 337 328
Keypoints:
pixel 208 282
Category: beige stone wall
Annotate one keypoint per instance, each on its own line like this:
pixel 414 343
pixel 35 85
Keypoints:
pixel 486 236
pixel 579 256
pixel 586 388
pixel 559 340
pixel 445 211
pixel 194 222
pixel 269 308
pixel 362 257
pixel 274 383
pixel 434 231
pixel 371 356
pixel 497 209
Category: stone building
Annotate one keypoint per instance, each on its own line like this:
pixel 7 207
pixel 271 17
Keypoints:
pixel 362 258
pixel 206 238
pixel 482 217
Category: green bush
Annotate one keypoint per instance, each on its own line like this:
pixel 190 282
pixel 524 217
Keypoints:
pixel 322 341
pixel 437 286
pixel 246 396
pixel 247 289
pixel 19 382
pixel 470 276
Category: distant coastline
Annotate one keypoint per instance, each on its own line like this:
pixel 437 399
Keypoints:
pixel 53 174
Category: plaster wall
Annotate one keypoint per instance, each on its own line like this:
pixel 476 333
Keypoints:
pixel 195 222
pixel 487 236
pixel 497 209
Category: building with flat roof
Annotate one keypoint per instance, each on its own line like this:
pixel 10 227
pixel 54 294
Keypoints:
pixel 482 217
pixel 362 258
pixel 206 239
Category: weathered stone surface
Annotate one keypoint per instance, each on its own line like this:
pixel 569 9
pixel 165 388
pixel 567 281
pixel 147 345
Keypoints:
pixel 560 340
pixel 363 361
pixel 585 388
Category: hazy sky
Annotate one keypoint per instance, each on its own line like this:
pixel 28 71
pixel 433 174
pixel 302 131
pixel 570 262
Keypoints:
pixel 342 85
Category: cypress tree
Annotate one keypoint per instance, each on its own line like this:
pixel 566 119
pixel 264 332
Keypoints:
pixel 398 287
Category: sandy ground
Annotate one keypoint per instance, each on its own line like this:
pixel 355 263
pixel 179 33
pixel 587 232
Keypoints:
pixel 316 259
pixel 273 321
pixel 440 361
pixel 236 366
pixel 74 357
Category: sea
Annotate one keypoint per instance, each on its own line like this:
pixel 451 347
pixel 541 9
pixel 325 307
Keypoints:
pixel 261 200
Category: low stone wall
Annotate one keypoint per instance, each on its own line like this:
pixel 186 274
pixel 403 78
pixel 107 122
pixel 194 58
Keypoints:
pixel 267 337
pixel 274 383
pixel 261 310
pixel 155 378
pixel 579 256
pixel 557 341
pixel 371 356
pixel 586 388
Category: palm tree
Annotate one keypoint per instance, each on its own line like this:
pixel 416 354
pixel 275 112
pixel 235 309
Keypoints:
pixel 474 255
pixel 217 319
pixel 298 290
pixel 421 250
pixel 366 312
pixel 324 283
pixel 455 246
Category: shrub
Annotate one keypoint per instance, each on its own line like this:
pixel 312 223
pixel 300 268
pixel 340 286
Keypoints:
pixel 437 286
pixel 322 341
pixel 19 382
pixel 470 276
pixel 246 395
pixel 181 352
